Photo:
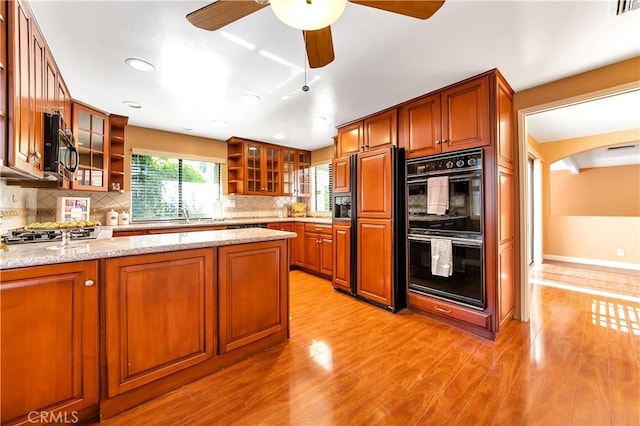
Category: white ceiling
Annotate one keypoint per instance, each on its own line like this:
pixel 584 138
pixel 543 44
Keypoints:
pixel 381 59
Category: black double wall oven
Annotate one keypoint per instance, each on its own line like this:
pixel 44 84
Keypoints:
pixel 445 227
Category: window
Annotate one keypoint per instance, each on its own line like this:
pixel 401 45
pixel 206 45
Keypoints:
pixel 321 186
pixel 161 186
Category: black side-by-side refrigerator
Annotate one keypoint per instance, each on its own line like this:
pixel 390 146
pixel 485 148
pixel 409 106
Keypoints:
pixel 378 229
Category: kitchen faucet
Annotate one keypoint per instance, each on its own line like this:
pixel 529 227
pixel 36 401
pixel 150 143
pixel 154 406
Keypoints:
pixel 185 213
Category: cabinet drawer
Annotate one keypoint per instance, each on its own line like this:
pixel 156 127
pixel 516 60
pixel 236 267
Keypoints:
pixel 449 310
pixel 320 229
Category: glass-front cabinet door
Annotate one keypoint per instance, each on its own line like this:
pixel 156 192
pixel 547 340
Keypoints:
pixel 272 170
pixel 303 186
pixel 254 168
pixel 90 131
pixel 288 171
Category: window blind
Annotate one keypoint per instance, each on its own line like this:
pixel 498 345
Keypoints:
pixel 162 186
pixel 322 188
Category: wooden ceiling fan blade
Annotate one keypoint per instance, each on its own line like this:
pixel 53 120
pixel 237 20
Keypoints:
pixel 415 8
pixel 319 44
pixel 223 12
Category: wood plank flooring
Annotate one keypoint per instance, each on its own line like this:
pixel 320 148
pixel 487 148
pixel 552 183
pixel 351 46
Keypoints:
pixel 348 363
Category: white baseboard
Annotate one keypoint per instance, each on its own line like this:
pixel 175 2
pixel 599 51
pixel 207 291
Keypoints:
pixel 595 262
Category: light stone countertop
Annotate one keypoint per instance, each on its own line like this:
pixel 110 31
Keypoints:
pixel 35 254
pixel 225 222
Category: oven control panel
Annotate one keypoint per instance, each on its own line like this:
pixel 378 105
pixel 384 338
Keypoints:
pixel 445 163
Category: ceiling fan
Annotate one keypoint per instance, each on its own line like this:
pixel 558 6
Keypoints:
pixel 313 17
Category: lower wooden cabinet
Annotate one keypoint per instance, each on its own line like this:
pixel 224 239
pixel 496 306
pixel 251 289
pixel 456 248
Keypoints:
pixel 375 260
pixel 252 275
pixel 159 316
pixel 134 232
pixel 341 276
pixel 289 227
pixel 318 248
pixel 298 244
pixel 49 341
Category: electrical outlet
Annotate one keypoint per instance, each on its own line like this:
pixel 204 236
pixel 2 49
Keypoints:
pixel 620 252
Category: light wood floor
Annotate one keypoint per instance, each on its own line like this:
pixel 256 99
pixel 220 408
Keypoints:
pixel 576 362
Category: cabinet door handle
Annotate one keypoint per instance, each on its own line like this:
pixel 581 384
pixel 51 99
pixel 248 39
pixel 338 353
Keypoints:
pixel 437 142
pixel 88 283
pixel 36 155
pixel 446 141
pixel 439 309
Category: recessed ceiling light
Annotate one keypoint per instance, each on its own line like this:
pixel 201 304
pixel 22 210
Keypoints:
pixel 140 65
pixel 319 119
pixel 279 136
pixel 132 104
pixel 250 98
pixel 186 128
pixel 219 123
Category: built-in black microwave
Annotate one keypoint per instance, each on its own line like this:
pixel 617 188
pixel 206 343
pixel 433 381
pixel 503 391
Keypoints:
pixel 60 153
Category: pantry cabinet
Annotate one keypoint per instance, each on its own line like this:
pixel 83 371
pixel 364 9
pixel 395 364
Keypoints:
pixel 49 340
pixel 164 301
pixel 451 119
pixel 91 134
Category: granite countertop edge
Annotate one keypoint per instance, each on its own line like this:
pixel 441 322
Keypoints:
pixel 42 254
pixel 139 226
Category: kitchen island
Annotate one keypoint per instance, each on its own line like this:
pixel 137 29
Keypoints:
pixel 90 329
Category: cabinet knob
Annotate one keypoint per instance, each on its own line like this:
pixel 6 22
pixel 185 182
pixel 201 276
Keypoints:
pixel 437 142
pixel 88 283
pixel 444 141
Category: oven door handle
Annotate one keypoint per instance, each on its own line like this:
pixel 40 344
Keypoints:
pixel 455 241
pixel 411 180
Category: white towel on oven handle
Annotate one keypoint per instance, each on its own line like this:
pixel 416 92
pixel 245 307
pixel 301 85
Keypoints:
pixel 441 257
pixel 437 195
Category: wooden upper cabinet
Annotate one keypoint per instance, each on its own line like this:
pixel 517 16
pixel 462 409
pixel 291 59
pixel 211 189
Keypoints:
pixel 303 174
pixel 350 139
pixel 374 179
pixel 466 115
pixel 3 79
pixel 49 340
pixel 504 116
pixel 420 130
pixel 288 171
pixel 64 102
pixel 259 168
pixel 381 130
pixel 24 151
pixel 91 134
pixel 341 169
pixel 452 119
pixel 374 132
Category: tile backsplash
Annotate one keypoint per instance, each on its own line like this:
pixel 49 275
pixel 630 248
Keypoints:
pixel 21 206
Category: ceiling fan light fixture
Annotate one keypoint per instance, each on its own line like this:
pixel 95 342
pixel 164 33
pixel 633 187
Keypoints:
pixel 308 15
